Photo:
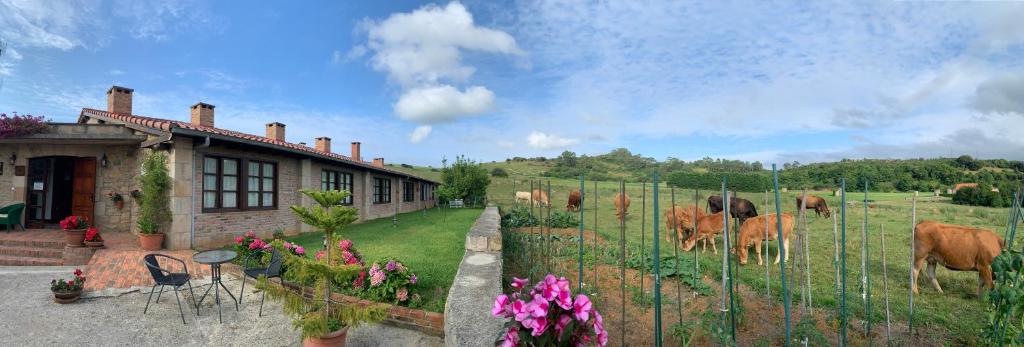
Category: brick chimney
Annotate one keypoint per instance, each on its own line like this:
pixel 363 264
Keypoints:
pixel 378 162
pixel 119 100
pixel 355 151
pixel 323 144
pixel 202 114
pixel 275 131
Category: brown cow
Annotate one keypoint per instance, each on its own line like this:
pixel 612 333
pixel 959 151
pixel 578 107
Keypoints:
pixel 707 227
pixel 958 248
pixel 573 205
pixel 816 203
pixel 681 221
pixel 621 206
pixel 540 198
pixel 752 232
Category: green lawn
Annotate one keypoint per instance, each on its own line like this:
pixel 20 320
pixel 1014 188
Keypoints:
pixel 958 313
pixel 432 243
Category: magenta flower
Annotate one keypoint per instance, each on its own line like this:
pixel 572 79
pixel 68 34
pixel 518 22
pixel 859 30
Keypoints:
pixel 602 335
pixel 412 279
pixel 250 234
pixel 519 283
pixel 300 250
pixel 287 245
pixel 319 254
pixel 538 307
pixel 345 244
pixel 581 308
pixel 563 321
pixel 564 299
pixel 538 324
pixel 502 307
pixel 511 338
pixel 391 266
pixel 239 240
pixel 519 310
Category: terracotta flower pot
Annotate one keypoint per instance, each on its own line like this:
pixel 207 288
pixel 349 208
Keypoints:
pixel 94 244
pixel 74 237
pixel 334 339
pixel 151 242
pixel 67 297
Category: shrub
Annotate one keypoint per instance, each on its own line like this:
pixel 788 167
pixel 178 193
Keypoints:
pixel 519 217
pixel 978 197
pixel 156 182
pixel 17 126
pixel 499 172
pixel 744 182
pixel 562 219
pixel 465 180
pixel 390 281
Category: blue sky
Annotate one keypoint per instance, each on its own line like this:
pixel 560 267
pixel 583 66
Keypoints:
pixel 416 81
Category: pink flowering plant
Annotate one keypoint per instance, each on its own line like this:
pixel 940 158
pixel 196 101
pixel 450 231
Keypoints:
pixel 548 315
pixel 390 281
pixel 18 126
pixel 248 243
pixel 293 248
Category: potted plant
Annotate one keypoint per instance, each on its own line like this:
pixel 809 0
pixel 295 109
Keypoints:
pixel 323 322
pixel 154 209
pixel 549 315
pixel 74 230
pixel 66 292
pixel 93 238
pixel 136 195
pixel 117 199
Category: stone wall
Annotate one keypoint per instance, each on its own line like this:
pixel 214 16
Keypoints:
pixel 467 313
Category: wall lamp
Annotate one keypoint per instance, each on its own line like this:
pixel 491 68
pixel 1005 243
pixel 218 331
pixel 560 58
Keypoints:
pixel 14 157
pixel 103 161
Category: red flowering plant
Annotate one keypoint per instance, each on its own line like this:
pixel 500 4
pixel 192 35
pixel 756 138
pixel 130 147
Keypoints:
pixel 549 315
pixel 74 222
pixel 248 243
pixel 64 286
pixel 93 235
pixel 17 126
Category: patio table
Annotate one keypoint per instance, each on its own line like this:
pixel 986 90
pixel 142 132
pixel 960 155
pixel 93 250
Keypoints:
pixel 215 258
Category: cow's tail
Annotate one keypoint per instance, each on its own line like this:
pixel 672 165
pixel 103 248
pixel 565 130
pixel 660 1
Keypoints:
pixel 754 207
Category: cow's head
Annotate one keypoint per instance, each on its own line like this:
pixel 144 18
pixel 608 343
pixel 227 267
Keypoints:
pixel 689 243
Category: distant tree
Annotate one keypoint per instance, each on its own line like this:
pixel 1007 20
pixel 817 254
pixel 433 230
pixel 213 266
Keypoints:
pixel 568 159
pixel 465 179
pixel 499 172
pixel 967 162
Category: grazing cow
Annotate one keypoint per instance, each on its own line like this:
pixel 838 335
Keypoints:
pixel 681 221
pixel 958 248
pixel 707 227
pixel 753 232
pixel 738 207
pixel 573 205
pixel 815 202
pixel 522 197
pixel 621 206
pixel 540 198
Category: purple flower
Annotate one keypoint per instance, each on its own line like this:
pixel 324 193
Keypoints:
pixel 391 266
pixel 519 283
pixel 412 279
pixel 581 308
pixel 502 307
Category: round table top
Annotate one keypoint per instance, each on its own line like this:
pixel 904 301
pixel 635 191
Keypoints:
pixel 214 256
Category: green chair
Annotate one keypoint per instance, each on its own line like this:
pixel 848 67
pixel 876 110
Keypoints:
pixel 10 216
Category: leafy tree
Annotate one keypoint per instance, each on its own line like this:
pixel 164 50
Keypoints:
pixel 465 179
pixel 967 162
pixel 499 172
pixel 154 211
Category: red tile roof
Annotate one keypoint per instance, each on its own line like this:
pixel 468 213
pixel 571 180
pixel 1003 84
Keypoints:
pixel 169 125
pixel 964 185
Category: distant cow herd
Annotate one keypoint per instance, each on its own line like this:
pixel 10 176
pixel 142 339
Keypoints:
pixel 958 248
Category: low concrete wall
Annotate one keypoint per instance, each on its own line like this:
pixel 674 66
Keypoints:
pixel 467 313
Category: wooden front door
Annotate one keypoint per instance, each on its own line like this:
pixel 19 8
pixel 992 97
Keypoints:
pixel 83 195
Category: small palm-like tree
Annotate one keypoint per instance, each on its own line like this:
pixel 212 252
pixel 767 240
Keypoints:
pixel 313 312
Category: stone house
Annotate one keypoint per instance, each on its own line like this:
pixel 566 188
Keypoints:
pixel 224 182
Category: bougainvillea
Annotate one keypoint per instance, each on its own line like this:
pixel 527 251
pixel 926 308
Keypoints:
pixel 549 315
pixel 17 125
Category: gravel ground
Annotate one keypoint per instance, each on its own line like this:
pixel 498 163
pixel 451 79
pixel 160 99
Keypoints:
pixel 114 318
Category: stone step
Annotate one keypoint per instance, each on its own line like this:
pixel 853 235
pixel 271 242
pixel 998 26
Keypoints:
pixel 32 252
pixel 8 260
pixel 53 244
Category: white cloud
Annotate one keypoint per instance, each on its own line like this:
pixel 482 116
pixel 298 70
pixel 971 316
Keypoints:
pixel 115 72
pixel 160 19
pixel 1000 94
pixel 541 140
pixel 443 103
pixel 420 133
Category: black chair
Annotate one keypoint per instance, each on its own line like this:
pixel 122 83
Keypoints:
pixel 164 277
pixel 254 271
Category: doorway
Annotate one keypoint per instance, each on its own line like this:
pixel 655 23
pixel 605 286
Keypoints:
pixel 60 186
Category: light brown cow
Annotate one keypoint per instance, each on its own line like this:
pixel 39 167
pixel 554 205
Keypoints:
pixel 540 198
pixel 681 221
pixel 958 248
pixel 573 205
pixel 621 206
pixel 707 227
pixel 816 203
pixel 523 197
pixel 752 232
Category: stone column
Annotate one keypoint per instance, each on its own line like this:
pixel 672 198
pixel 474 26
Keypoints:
pixel 181 166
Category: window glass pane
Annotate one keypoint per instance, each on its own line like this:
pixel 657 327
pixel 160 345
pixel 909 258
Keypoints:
pixel 254 183
pixel 230 167
pixel 254 168
pixel 268 199
pixel 268 170
pixel 229 183
pixel 229 200
pixel 210 165
pixel 268 184
pixel 254 199
pixel 210 182
pixel 324 186
pixel 210 199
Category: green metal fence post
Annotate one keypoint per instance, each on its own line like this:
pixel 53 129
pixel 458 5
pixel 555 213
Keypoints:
pixel 657 267
pixel 782 251
pixel 580 254
pixel 842 242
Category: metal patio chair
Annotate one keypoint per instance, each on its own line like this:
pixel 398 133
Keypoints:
pixel 165 277
pixel 254 271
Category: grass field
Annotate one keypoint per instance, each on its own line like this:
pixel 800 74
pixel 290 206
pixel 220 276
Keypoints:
pixel 430 242
pixel 958 313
